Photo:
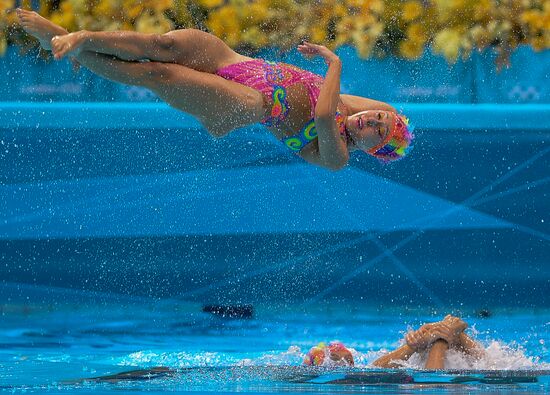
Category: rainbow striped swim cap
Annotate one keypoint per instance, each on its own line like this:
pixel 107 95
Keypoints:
pixel 316 355
pixel 398 142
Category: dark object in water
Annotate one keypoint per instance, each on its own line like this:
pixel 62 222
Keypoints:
pixel 435 377
pixel 484 313
pixel 330 376
pixel 228 311
pixel 158 372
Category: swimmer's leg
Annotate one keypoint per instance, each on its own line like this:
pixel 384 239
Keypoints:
pixel 221 105
pixel 189 47
pixel 111 68
pixel 436 355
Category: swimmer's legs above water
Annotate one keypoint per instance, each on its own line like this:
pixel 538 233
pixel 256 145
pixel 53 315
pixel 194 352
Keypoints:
pixel 189 47
pixel 188 86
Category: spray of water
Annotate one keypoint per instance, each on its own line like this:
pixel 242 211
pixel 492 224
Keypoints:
pixel 498 356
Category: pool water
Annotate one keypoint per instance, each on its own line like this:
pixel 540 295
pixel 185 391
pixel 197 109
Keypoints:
pixel 113 238
pixel 51 345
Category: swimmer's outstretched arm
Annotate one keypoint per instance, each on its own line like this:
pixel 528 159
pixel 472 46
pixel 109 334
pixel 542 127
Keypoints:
pixel 333 151
pixel 469 346
pixel 436 355
pixel 357 104
pixel 438 336
pixel 462 342
pixel 391 359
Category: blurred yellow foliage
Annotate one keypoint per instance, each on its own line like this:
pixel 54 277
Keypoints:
pixel 537 25
pixel 448 43
pixel 5 6
pixel 412 10
pixel 224 22
pixel 452 28
pixel 5 21
pixel 3 44
pixel 413 47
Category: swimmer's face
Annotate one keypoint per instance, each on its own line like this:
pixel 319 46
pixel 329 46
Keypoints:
pixel 369 128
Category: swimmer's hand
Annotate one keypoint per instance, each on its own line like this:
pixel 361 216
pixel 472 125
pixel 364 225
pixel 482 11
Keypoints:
pixel 449 330
pixel 455 324
pixel 421 338
pixel 310 50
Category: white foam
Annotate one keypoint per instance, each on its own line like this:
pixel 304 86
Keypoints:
pixel 292 357
pixel 498 356
pixel 175 359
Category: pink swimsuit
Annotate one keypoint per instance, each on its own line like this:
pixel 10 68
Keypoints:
pixel 272 79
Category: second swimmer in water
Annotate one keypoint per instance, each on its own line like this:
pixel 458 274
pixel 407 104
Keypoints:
pixel 198 73
pixel 434 338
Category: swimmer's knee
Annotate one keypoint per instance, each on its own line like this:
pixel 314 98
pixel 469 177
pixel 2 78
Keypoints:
pixel 194 48
pixel 182 35
pixel 180 41
pixel 161 47
pixel 165 42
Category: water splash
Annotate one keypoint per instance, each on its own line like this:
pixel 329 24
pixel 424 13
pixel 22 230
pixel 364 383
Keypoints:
pixel 498 356
pixel 292 357
pixel 176 360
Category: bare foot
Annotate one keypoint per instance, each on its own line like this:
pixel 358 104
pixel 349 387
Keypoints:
pixel 39 27
pixel 68 44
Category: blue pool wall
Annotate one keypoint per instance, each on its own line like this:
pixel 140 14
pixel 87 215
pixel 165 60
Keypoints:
pixel 136 198
pixel 428 80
